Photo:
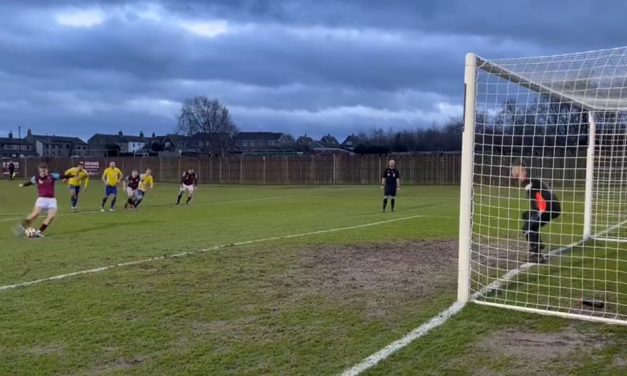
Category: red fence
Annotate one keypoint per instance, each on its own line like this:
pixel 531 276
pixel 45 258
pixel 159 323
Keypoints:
pixel 414 169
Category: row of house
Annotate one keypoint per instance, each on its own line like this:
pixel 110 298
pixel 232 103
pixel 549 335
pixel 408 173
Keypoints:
pixel 102 145
pixel 41 145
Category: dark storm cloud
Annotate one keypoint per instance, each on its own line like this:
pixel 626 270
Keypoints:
pixel 301 66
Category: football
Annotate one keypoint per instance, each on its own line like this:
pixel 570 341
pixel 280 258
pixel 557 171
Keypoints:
pixel 30 232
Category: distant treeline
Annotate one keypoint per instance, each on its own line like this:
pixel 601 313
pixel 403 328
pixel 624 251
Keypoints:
pixel 445 138
pixel 542 127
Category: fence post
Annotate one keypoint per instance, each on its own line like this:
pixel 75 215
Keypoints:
pixel 413 170
pixel 160 168
pixel 287 179
pixel 220 170
pixel 334 169
pixel 241 169
pixel 199 168
pixel 361 169
pixel 179 170
pixel 264 169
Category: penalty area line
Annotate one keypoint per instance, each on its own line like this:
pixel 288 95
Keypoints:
pixel 393 347
pixel 200 251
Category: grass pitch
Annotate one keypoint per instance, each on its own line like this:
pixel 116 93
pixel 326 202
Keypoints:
pixel 290 280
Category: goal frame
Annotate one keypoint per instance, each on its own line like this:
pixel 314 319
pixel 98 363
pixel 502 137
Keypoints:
pixel 472 64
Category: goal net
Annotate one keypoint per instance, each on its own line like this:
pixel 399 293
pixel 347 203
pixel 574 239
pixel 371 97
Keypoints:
pixel 543 224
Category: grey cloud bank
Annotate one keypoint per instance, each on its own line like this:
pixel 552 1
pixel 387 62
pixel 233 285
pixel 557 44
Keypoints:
pixel 311 67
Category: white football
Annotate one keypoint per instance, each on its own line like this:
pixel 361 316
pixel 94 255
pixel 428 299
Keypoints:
pixel 30 232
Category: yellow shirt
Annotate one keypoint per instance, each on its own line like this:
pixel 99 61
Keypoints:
pixel 145 182
pixel 112 176
pixel 78 177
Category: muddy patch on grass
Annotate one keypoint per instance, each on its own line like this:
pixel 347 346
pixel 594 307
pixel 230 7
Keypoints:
pixel 494 258
pixel 122 365
pixel 408 267
pixel 383 274
pixel 620 362
pixel 538 352
pixel 46 350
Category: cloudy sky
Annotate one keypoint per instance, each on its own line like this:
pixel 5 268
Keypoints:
pixel 315 67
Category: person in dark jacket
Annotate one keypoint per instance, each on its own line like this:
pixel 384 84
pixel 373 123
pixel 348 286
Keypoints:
pixel 544 206
pixel 11 171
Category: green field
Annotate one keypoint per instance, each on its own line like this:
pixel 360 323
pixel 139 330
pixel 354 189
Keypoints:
pixel 278 280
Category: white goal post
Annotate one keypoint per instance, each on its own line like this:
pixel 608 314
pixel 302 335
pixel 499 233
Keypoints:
pixel 552 237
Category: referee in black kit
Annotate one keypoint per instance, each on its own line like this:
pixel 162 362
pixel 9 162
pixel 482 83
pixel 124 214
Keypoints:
pixel 391 183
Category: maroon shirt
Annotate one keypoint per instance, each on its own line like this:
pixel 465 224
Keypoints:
pixel 189 179
pixel 133 182
pixel 45 184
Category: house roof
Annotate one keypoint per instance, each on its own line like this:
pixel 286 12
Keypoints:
pixel 175 138
pixel 329 140
pixel 304 140
pixel 351 138
pixel 52 139
pixel 12 141
pixel 116 138
pixel 258 136
pixel 209 136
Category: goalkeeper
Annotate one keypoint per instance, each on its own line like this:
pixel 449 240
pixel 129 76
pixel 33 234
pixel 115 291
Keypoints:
pixel 544 207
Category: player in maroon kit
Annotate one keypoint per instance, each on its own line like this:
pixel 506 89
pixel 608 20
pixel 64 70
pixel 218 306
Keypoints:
pixel 46 201
pixel 131 183
pixel 189 183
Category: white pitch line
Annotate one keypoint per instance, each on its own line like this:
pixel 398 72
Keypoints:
pixel 443 316
pixel 393 347
pixel 8 214
pixel 190 253
pixel 153 206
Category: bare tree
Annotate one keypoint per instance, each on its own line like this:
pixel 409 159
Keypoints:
pixel 209 121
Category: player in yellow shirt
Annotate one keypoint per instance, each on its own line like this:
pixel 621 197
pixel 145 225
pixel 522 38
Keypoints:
pixel 146 182
pixel 111 177
pixel 78 176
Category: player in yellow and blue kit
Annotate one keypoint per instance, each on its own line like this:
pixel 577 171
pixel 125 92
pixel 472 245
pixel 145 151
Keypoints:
pixel 78 177
pixel 111 177
pixel 147 182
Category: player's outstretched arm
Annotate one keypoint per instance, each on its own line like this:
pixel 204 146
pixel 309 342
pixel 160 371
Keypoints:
pixel 28 183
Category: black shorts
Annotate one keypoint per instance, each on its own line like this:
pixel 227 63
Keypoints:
pixel 534 219
pixel 390 191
